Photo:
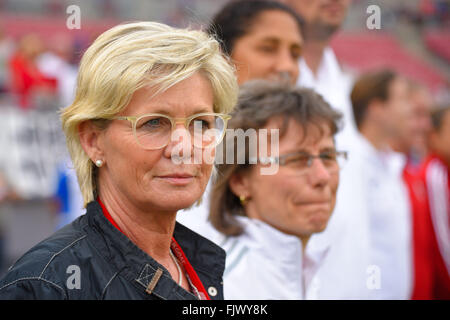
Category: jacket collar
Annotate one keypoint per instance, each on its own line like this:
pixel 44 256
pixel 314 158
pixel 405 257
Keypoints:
pixel 143 271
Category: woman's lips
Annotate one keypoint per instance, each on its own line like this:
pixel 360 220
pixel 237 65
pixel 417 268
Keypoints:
pixel 177 179
pixel 316 204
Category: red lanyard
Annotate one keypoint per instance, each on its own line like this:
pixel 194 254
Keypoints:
pixel 192 276
pixel 194 280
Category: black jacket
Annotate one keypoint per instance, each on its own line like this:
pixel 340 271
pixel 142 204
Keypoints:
pixel 91 259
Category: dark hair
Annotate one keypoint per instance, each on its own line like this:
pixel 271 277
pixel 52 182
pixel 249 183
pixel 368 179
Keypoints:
pixel 260 101
pixel 370 86
pixel 235 19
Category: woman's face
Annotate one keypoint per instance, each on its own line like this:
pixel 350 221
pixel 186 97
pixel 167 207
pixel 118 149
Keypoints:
pixel 150 178
pixel 295 204
pixel 271 46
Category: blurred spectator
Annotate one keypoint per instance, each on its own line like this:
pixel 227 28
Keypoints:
pixel 26 80
pixel 319 66
pixel 380 103
pixel 344 273
pixel 429 190
pixel 57 63
pixel 414 128
pixel 411 140
pixel 438 179
pixel 263 38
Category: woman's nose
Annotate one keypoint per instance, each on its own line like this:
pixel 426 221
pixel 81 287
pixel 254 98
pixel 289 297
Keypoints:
pixel 318 172
pixel 286 64
pixel 180 147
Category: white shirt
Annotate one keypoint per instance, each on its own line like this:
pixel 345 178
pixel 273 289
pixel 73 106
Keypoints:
pixel 343 274
pixel 264 263
pixel 390 221
pixel 335 87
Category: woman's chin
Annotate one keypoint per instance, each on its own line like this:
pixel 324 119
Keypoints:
pixel 178 203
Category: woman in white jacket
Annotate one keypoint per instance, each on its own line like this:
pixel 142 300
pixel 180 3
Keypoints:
pixel 267 206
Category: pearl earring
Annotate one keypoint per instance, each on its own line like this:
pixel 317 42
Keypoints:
pixel 99 163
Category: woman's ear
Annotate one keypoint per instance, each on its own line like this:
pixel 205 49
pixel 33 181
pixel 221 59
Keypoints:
pixel 240 185
pixel 91 140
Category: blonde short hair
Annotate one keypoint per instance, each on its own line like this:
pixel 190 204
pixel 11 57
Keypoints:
pixel 128 57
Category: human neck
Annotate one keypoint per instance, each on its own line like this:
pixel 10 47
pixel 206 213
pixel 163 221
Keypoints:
pixel 398 146
pixel 375 136
pixel 151 231
pixel 304 240
pixel 313 54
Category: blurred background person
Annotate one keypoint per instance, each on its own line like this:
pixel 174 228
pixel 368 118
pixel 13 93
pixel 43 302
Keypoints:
pixel 57 62
pixel 343 274
pixel 438 178
pixel 320 69
pixel 421 103
pixel 264 41
pixel 28 83
pixel 266 220
pixel 263 38
pixel 429 188
pixel 380 103
pixel 411 138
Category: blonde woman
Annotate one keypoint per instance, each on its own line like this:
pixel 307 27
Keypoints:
pixel 138 84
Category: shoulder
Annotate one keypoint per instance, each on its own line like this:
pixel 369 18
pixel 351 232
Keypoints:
pixel 43 271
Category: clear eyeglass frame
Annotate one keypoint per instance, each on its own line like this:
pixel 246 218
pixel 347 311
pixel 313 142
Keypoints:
pixel 174 121
pixel 284 160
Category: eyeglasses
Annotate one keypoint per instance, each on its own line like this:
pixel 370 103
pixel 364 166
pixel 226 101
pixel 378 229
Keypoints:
pixel 154 131
pixel 298 163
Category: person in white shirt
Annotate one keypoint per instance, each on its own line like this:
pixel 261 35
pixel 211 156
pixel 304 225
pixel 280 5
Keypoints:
pixel 267 205
pixel 345 272
pixel 56 63
pixel 380 104
pixel 320 69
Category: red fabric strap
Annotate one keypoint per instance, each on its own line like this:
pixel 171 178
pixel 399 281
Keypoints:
pixel 193 277
pixel 107 215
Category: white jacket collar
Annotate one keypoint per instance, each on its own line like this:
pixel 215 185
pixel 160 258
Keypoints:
pixel 283 249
